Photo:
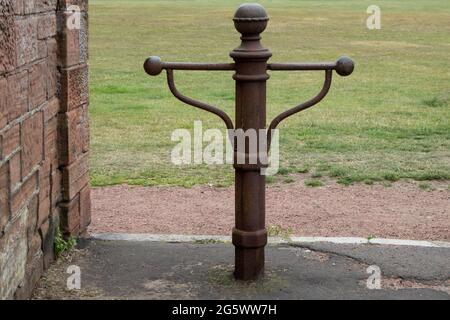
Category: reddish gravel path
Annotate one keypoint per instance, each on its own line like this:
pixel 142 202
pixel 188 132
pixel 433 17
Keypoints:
pixel 401 211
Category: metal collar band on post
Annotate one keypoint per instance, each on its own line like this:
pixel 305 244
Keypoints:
pixel 250 67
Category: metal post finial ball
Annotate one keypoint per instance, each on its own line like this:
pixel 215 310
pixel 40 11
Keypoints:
pixel 344 66
pixel 250 18
pixel 153 65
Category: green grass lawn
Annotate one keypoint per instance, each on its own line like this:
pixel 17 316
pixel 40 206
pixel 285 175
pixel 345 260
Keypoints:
pixel 389 120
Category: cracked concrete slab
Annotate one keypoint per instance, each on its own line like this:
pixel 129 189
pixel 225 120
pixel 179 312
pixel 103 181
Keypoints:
pixel 408 262
pixel 158 270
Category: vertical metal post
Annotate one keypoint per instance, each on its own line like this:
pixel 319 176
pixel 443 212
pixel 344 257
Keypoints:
pixel 249 234
pixel 250 66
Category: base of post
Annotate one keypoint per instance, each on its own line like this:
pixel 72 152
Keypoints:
pixel 249 263
pixel 249 253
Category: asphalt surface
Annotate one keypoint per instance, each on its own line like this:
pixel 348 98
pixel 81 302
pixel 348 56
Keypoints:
pixel 157 270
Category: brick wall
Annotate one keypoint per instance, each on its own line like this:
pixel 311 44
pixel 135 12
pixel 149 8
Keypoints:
pixel 44 135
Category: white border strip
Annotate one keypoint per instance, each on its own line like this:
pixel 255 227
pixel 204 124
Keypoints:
pixel 158 237
pixel 272 240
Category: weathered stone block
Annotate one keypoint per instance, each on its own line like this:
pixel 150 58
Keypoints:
pixel 26 40
pixel 10 140
pixel 46 26
pixel 74 87
pixel 52 72
pixel 34 246
pixel 85 208
pixel 15 170
pixel 73 135
pixel 29 6
pixel 44 184
pixel 51 110
pixel 75 177
pixel 47 233
pixel 23 195
pixel 73 36
pixel 4 198
pixel 42 49
pixel 3 106
pixel 38 88
pixel 17 6
pixel 56 177
pixel 32 218
pixel 17 100
pixel 33 272
pixel 13 255
pixel 44 209
pixel 51 143
pixel 46 5
pixel 39 6
pixel 8 58
pixel 32 147
pixel 70 216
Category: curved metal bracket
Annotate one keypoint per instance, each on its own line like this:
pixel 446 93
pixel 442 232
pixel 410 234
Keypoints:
pixel 301 107
pixel 195 103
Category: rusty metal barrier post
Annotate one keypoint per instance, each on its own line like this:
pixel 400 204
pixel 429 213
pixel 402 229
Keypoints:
pixel 250 66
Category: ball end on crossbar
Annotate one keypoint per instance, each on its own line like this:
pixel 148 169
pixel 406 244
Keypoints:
pixel 344 66
pixel 153 65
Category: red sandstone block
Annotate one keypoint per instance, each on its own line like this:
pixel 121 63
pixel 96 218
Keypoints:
pixel 73 135
pixel 42 49
pixel 26 42
pixel 32 144
pixel 32 217
pixel 44 229
pixel 46 25
pixel 38 88
pixel 4 197
pixel 44 210
pixel 3 106
pixel 56 178
pixel 15 170
pixel 52 72
pixel 10 140
pixel 47 234
pixel 39 6
pixel 74 87
pixel 17 100
pixel 23 194
pixel 33 272
pixel 73 38
pixel 50 146
pixel 70 216
pixel 8 57
pixel 44 183
pixel 46 5
pixel 85 208
pixel 51 109
pixel 28 6
pixel 75 177
pixel 18 6
pixel 34 245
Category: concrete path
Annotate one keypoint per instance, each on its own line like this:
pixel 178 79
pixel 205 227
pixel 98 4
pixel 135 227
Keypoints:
pixel 160 270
